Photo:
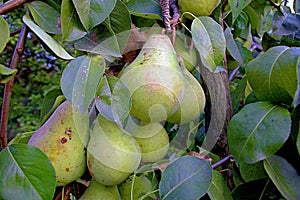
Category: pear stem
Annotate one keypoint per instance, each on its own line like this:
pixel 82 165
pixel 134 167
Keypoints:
pixel 9 86
pixel 11 5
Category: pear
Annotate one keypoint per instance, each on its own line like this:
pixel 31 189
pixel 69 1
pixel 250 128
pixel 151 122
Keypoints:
pixel 63 139
pixel 113 154
pixel 98 191
pixel 193 102
pixel 153 140
pixel 198 7
pixel 154 80
pixel 135 187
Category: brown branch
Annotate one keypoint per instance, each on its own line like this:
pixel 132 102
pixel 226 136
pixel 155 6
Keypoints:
pixel 15 32
pixel 11 5
pixel 165 6
pixel 9 85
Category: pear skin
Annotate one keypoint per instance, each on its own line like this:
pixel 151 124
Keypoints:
pixel 98 191
pixel 63 138
pixel 154 80
pixel 113 154
pixel 193 102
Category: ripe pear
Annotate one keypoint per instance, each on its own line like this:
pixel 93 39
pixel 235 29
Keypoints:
pixel 113 154
pixel 153 140
pixel 193 102
pixel 154 80
pixel 135 187
pixel 63 138
pixel 98 191
pixel 198 7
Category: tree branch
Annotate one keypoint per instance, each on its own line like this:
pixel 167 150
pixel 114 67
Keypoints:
pixel 11 5
pixel 9 85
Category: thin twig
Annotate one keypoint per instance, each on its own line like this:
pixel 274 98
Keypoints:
pixel 11 5
pixel 165 6
pixel 9 85
pixel 15 32
pixel 277 6
pixel 221 162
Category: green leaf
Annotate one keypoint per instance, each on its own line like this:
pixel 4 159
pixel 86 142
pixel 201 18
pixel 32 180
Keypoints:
pixel 258 131
pixel 232 47
pixel 286 25
pixel 114 100
pixel 265 74
pixel 145 8
pixel 71 26
pixel 251 190
pixel 187 177
pixel 218 189
pixel 93 12
pixel 284 176
pixel 6 73
pixel 237 6
pixel 80 80
pixel 22 138
pixel 26 173
pixel 251 172
pixel 55 47
pixel 4 32
pixel 210 41
pixel 45 16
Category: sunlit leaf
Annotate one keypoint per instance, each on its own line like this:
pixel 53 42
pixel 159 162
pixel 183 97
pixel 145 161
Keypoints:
pixel 237 6
pixel 284 176
pixel 210 42
pixel 22 138
pixel 80 80
pixel 187 177
pixel 70 24
pixel 47 39
pixel 218 189
pixel 4 32
pixel 6 73
pixel 113 100
pixel 26 173
pixel 93 12
pixel 51 101
pixel 145 8
pixel 257 131
pixel 273 75
pixel 45 16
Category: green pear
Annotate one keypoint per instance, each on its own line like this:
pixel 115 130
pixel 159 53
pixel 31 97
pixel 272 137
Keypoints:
pixel 63 138
pixel 153 140
pixel 198 7
pixel 193 102
pixel 154 80
pixel 98 191
pixel 135 187
pixel 113 154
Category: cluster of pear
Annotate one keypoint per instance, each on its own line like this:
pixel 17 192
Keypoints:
pixel 160 90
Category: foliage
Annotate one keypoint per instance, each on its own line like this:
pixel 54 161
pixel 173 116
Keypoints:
pixel 254 44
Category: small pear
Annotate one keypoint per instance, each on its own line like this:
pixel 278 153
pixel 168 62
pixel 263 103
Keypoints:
pixel 154 80
pixel 198 7
pixel 113 154
pixel 135 187
pixel 98 191
pixel 193 102
pixel 63 138
pixel 153 140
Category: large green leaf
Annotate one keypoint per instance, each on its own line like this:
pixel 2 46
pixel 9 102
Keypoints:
pixel 258 131
pixel 218 189
pixel 4 32
pixel 232 47
pixel 210 41
pixel 114 100
pixel 237 6
pixel 273 75
pixel 93 12
pixel 187 177
pixel 53 45
pixel 26 173
pixel 80 80
pixel 6 73
pixel 284 176
pixel 71 26
pixel 145 8
pixel 251 172
pixel 119 24
pixel 45 16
